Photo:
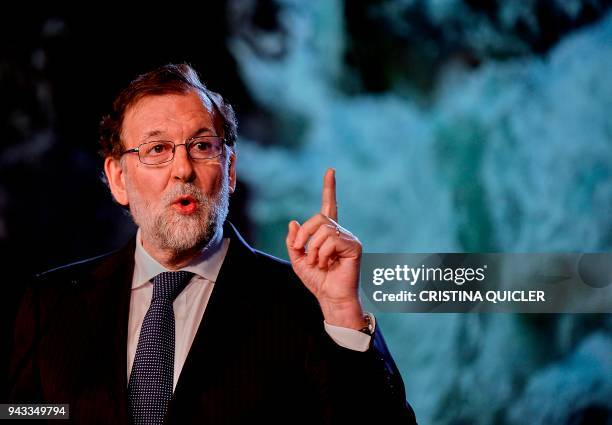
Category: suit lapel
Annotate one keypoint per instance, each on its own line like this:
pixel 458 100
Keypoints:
pixel 113 277
pixel 224 315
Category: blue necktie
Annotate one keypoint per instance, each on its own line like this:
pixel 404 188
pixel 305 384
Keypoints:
pixel 152 377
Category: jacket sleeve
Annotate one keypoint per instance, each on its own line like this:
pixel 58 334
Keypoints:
pixel 359 387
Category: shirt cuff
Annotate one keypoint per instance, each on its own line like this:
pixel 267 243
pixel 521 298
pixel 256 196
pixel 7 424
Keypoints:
pixel 350 338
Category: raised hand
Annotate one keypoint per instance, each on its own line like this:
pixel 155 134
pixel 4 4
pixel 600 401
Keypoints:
pixel 326 257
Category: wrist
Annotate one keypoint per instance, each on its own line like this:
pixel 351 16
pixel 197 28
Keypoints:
pixel 347 314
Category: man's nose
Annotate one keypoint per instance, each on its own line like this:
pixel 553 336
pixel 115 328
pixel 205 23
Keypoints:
pixel 182 168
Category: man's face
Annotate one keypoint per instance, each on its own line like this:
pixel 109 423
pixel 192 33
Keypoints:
pixel 180 204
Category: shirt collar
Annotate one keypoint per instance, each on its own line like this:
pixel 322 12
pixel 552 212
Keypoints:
pixel 206 264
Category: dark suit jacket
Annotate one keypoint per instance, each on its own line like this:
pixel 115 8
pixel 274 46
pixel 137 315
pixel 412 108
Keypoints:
pixel 261 351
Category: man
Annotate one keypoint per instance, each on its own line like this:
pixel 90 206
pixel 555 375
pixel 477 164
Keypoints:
pixel 187 323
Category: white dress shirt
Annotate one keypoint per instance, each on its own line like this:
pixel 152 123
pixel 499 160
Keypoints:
pixel 190 304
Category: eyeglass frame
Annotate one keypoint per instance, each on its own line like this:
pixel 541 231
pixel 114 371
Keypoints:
pixel 186 143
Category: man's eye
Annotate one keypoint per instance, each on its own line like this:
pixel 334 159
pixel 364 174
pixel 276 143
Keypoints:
pixel 202 146
pixel 157 148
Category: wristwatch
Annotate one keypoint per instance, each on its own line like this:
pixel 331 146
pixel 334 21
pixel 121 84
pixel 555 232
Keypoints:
pixel 371 323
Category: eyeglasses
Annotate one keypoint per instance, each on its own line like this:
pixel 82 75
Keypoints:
pixel 160 151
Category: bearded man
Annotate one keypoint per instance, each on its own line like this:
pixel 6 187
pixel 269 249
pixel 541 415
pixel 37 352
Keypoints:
pixel 187 323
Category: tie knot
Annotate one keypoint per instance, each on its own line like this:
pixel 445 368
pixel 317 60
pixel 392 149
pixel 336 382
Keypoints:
pixel 169 284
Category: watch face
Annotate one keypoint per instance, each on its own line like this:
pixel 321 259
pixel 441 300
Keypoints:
pixel 366 331
pixel 369 330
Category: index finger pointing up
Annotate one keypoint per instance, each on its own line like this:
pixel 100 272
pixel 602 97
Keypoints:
pixel 328 203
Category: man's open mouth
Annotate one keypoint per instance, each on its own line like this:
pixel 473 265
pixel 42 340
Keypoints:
pixel 185 204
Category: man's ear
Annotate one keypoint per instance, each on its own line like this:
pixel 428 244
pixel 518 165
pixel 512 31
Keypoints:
pixel 232 170
pixel 116 179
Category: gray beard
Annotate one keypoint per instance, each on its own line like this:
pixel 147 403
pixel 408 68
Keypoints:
pixel 177 233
